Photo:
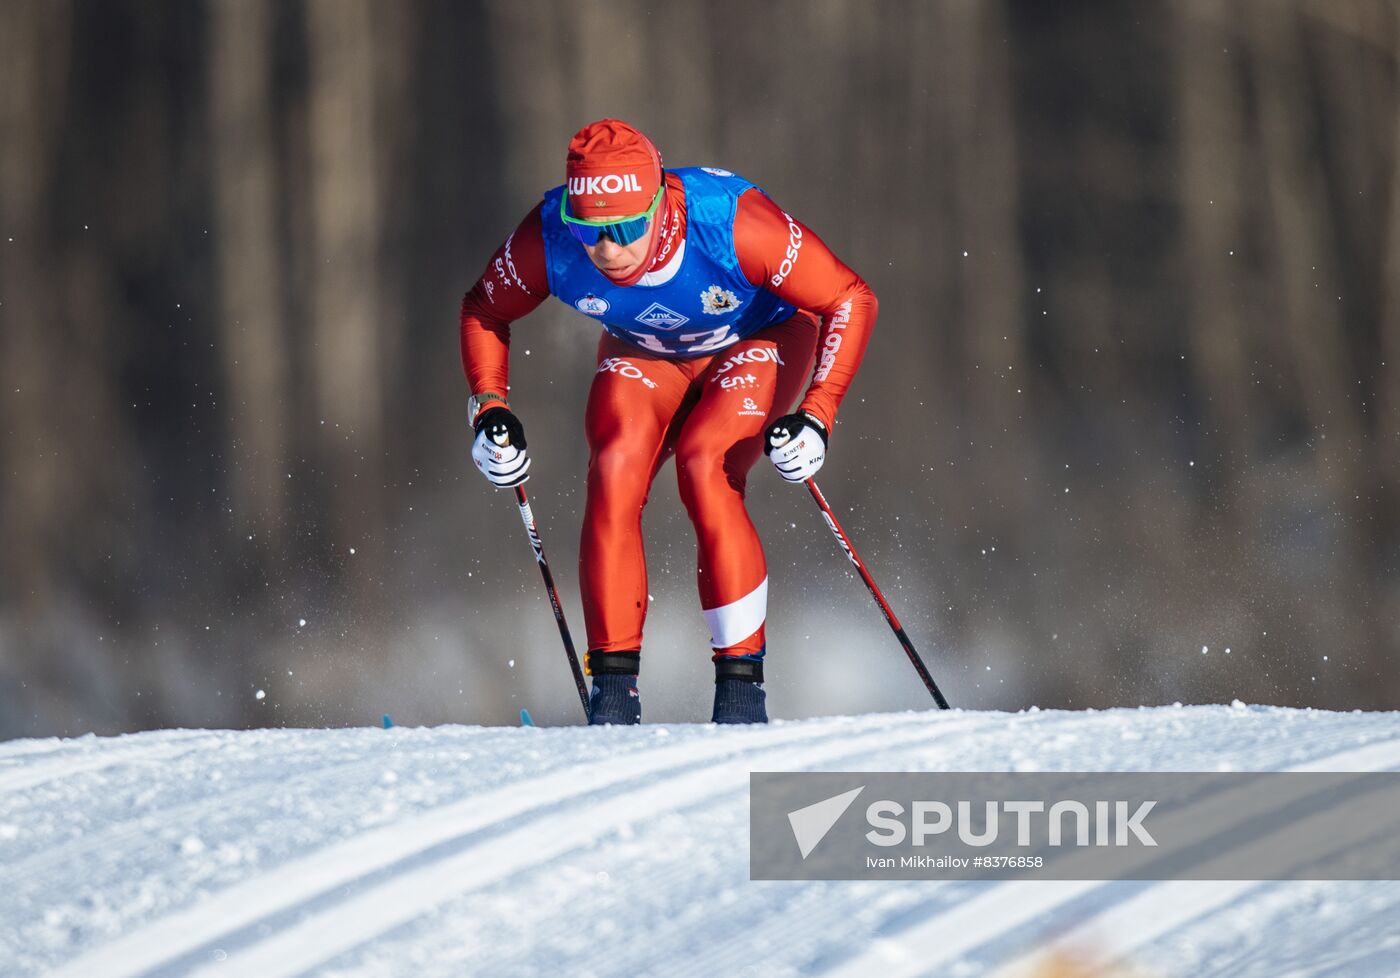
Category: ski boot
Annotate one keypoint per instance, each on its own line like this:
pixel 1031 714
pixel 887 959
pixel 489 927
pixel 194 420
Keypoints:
pixel 739 695
pixel 614 698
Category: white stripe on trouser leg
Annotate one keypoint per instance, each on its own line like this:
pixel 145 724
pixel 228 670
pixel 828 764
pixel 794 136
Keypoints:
pixel 732 623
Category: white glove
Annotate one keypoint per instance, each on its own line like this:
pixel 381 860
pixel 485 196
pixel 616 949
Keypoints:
pixel 797 445
pixel 499 449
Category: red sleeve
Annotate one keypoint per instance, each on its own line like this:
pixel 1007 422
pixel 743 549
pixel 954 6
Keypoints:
pixel 782 255
pixel 514 284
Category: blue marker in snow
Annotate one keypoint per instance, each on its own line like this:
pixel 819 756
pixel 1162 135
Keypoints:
pixel 525 718
pixel 388 721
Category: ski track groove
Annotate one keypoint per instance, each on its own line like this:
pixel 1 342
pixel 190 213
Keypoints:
pixel 670 870
pixel 132 835
pixel 41 747
pixel 922 950
pixel 1158 908
pixel 735 960
pixel 870 761
pixel 408 895
pixel 347 908
pixel 23 777
pixel 1340 948
pixel 305 881
pixel 277 956
pixel 37 863
pixel 1390 952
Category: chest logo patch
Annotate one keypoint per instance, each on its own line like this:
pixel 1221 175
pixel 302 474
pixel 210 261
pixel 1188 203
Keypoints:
pixel 658 316
pixel 592 305
pixel 718 301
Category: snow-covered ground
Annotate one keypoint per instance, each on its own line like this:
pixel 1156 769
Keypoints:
pixel 471 851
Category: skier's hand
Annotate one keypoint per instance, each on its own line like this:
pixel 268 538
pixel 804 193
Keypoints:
pixel 499 449
pixel 796 443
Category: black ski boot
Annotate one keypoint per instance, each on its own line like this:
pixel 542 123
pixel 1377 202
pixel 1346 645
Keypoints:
pixel 739 695
pixel 614 698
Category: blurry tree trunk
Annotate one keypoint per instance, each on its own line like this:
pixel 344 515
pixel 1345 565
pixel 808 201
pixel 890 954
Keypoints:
pixel 918 279
pixel 529 83
pixel 1312 328
pixel 397 110
pixel 1388 430
pixel 1353 47
pixel 345 296
pixel 1302 247
pixel 618 27
pixel 1212 176
pixel 691 76
pixel 35 481
pixel 248 255
pixel 982 151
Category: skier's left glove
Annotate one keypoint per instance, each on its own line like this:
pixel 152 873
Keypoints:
pixel 499 449
pixel 796 443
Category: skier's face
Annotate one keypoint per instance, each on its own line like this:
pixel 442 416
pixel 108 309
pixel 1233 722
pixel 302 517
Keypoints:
pixel 619 261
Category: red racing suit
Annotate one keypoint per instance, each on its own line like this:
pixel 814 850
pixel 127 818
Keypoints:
pixel 709 412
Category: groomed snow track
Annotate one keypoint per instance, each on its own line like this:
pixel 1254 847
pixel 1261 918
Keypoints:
pixel 574 851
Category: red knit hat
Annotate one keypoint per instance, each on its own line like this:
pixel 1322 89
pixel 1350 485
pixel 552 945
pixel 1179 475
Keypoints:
pixel 613 170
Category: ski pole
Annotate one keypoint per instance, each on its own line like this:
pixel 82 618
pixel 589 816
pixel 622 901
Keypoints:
pixel 538 546
pixel 874 589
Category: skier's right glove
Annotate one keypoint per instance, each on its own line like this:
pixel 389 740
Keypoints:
pixel 499 449
pixel 796 445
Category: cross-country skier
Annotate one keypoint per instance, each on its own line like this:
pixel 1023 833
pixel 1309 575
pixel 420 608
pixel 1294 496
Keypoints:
pixel 716 306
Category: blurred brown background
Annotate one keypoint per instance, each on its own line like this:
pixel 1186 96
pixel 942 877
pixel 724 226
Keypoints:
pixel 1128 431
